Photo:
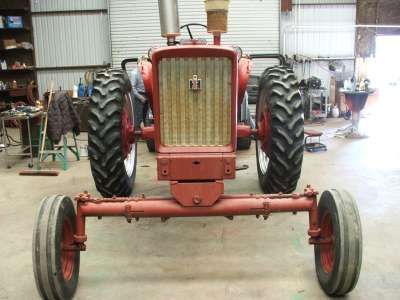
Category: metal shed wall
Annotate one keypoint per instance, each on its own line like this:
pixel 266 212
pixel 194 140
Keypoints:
pixel 320 31
pixel 69 35
pixel 253 25
pixel 63 5
pixel 306 2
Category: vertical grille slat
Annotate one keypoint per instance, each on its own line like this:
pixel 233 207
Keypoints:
pixel 208 101
pixel 195 118
pixel 217 90
pixel 174 97
pixel 182 107
pixel 227 100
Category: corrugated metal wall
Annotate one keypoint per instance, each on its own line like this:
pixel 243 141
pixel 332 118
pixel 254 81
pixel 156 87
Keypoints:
pixel 68 36
pixel 253 25
pixel 319 31
pixel 70 39
pixel 324 1
pixel 67 5
pixel 64 79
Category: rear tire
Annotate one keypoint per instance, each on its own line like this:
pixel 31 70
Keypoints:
pixel 151 146
pixel 56 270
pixel 338 264
pixel 113 165
pixel 243 143
pixel 280 154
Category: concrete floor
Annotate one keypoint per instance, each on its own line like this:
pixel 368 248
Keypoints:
pixel 214 258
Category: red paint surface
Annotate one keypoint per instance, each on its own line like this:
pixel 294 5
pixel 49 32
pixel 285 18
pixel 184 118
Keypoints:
pixel 197 193
pixel 127 131
pixel 195 167
pixel 226 205
pixel 327 251
pixel 244 70
pixel 146 68
pixel 67 257
pixel 223 205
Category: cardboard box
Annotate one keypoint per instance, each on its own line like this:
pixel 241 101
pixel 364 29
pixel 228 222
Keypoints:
pixel 14 22
pixel 9 44
pixel 2 22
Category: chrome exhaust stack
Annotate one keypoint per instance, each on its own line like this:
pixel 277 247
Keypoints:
pixel 169 20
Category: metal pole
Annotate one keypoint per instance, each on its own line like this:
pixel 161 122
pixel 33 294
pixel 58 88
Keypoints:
pixel 30 140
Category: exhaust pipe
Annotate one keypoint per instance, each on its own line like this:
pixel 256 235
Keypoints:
pixel 169 20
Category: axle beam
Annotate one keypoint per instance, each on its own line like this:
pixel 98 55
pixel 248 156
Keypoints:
pixel 165 208
pixel 225 206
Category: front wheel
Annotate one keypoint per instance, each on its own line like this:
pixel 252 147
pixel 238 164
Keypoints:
pixel 338 261
pixel 55 266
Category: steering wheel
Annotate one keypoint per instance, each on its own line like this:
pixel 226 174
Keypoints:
pixel 192 24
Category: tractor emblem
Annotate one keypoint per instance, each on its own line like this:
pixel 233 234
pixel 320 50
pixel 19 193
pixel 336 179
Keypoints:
pixel 195 83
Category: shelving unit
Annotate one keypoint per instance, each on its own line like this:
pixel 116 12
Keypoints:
pixel 16 50
pixel 25 76
pixel 14 30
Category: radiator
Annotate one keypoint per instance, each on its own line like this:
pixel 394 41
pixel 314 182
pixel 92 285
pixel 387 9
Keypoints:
pixel 195 117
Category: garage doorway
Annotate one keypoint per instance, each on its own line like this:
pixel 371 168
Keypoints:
pixel 383 107
pixel 387 62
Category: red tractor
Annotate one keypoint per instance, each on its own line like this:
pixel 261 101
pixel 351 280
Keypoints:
pixel 196 93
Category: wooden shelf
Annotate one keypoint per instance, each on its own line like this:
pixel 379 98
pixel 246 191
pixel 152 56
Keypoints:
pixel 16 50
pixel 16 71
pixel 14 30
pixel 13 11
pixel 21 76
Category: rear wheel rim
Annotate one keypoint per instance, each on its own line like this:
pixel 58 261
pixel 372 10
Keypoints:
pixel 127 125
pixel 327 251
pixel 67 256
pixel 262 145
pixel 263 159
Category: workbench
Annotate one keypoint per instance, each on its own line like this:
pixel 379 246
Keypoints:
pixel 355 101
pixel 27 117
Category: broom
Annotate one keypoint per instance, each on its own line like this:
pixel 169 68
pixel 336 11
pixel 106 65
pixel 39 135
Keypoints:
pixel 42 172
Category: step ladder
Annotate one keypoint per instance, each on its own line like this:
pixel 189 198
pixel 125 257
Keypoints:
pixel 57 152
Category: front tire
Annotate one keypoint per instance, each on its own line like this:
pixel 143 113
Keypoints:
pixel 56 270
pixel 279 113
pixel 338 263
pixel 112 155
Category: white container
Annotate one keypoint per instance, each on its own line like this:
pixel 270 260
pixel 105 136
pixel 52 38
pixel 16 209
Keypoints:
pixel 75 91
pixel 335 112
pixel 3 64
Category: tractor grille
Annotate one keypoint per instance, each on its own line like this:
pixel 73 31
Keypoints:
pixel 191 117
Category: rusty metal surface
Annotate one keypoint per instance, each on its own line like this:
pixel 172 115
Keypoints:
pixel 166 207
pixel 142 207
pixel 195 117
pixel 199 166
pixel 197 194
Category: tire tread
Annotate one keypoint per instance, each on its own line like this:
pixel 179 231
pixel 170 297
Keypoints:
pixel 280 87
pixel 347 268
pixel 105 150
